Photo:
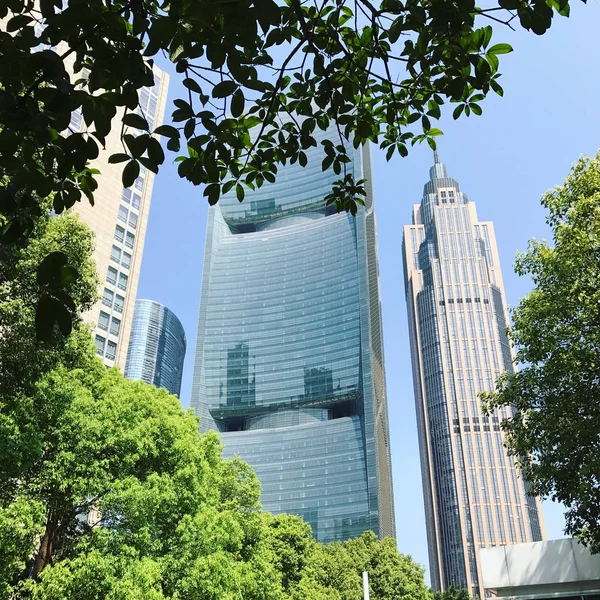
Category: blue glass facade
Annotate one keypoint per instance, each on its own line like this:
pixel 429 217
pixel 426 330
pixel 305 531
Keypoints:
pixel 156 346
pixel 289 358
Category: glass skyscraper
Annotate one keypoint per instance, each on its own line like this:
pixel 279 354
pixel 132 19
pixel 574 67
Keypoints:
pixel 156 346
pixel 474 497
pixel 289 356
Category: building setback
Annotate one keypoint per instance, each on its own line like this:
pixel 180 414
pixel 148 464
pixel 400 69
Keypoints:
pixel 474 497
pixel 289 357
pixel 156 346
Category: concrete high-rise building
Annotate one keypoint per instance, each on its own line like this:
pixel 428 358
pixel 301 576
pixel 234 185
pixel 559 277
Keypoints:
pixel 474 496
pixel 289 356
pixel 156 346
pixel 118 219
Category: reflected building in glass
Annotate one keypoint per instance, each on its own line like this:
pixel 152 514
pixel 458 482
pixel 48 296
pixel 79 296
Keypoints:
pixel 156 346
pixel 474 497
pixel 289 357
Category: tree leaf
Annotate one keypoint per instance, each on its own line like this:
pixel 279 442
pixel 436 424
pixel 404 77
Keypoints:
pixel 500 49
pixel 118 158
pixel 135 120
pixel 130 173
pixel 237 103
pixel 224 89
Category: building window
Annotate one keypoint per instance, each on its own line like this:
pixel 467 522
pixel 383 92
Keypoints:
pixel 136 200
pixel 123 214
pixel 126 196
pixel 100 342
pixel 103 321
pixel 115 326
pixel 111 276
pixel 107 298
pixel 123 281
pixel 126 260
pixel 115 254
pixel 119 302
pixel 111 350
pixel 129 240
pixel 119 234
pixel 139 184
pixel 76 121
pixel 133 219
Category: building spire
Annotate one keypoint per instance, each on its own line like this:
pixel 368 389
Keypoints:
pixel 439 169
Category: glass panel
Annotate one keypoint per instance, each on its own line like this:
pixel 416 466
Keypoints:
pixel 123 281
pixel 129 240
pixel 133 219
pixel 100 341
pixel 115 254
pixel 136 200
pixel 119 234
pixel 111 350
pixel 126 196
pixel 115 326
pixel 111 276
pixel 123 214
pixel 126 260
pixel 119 301
pixel 107 298
pixel 139 184
pixel 103 321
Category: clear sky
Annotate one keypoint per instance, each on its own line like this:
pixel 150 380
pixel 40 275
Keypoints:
pixel 522 145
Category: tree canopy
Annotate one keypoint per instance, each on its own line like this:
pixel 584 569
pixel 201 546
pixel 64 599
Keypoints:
pixel 555 430
pixel 378 72
pixel 260 76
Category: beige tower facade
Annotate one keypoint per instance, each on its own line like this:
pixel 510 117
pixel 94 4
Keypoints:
pixel 118 219
pixel 474 496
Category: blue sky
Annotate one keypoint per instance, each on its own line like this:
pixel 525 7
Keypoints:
pixel 522 145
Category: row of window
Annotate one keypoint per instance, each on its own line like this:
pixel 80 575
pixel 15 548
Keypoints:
pixel 128 217
pixel 113 301
pixel 120 257
pixel 114 277
pixel 107 349
pixel 124 237
pixel 107 324
pixel 129 197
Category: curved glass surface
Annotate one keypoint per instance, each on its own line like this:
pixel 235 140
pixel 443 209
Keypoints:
pixel 156 346
pixel 289 364
pixel 296 464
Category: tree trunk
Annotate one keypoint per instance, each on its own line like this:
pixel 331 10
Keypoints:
pixel 44 554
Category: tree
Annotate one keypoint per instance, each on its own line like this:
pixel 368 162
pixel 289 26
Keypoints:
pixel 261 76
pixel 378 73
pixel 452 593
pixel 335 571
pixel 131 500
pixel 553 402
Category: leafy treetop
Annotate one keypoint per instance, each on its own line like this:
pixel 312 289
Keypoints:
pixel 553 427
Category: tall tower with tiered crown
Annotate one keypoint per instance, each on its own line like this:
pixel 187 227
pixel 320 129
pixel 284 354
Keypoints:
pixel 474 497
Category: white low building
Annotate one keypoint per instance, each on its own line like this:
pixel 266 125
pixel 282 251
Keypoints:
pixel 541 571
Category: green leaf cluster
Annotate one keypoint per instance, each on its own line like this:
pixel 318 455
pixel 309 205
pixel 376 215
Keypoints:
pixel 380 73
pixel 552 403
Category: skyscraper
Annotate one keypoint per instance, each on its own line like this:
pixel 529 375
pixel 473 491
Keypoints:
pixel 289 357
pixel 118 219
pixel 156 346
pixel 457 315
